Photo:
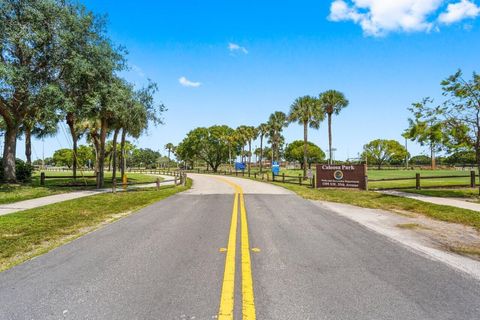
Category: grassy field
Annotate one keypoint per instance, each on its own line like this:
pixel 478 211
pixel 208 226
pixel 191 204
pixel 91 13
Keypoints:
pixel 392 174
pixel 374 200
pixel 29 233
pixel 15 193
pixel 469 194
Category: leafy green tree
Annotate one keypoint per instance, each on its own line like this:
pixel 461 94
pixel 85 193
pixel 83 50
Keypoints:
pixel 141 111
pixel 63 158
pixel 426 127
pixel 31 52
pixel 306 111
pixel 276 123
pixel 461 113
pixel 144 158
pixel 380 152
pixel 421 160
pixel 295 151
pixel 206 144
pixel 86 51
pixel 462 158
pixel 332 102
pixel 84 155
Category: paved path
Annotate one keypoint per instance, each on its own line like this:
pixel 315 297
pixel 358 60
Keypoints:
pixel 436 200
pixel 43 201
pixel 167 262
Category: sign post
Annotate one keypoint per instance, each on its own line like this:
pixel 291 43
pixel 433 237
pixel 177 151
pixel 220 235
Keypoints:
pixel 342 176
pixel 275 169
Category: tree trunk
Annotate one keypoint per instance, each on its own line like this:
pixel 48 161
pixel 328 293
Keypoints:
pixel 261 154
pixel 122 153
pixel 96 147
pixel 101 157
pixel 73 133
pixel 249 155
pixel 330 151
pixel 305 148
pixel 114 154
pixel 9 153
pixel 432 153
pixel 28 144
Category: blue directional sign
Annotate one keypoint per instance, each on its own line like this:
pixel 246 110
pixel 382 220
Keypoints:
pixel 275 168
pixel 239 166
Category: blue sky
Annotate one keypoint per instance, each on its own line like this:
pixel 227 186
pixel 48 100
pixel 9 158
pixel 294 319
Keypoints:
pixel 383 55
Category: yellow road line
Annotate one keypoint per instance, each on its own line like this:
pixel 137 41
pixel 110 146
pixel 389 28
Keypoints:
pixel 227 298
pixel 248 310
pixel 228 287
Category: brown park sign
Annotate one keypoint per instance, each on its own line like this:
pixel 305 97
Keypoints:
pixel 342 176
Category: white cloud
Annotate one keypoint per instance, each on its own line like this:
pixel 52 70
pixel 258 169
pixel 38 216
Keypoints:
pixel 187 83
pixel 380 17
pixel 462 10
pixel 233 47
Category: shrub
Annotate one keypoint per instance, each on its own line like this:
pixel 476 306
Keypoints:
pixel 23 171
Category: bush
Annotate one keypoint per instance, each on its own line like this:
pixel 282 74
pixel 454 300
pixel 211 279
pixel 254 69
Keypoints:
pixel 23 171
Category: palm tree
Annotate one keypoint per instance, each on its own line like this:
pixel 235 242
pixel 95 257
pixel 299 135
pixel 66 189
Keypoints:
pixel 241 133
pixel 332 102
pixel 251 134
pixel 169 147
pixel 262 132
pixel 306 111
pixel 276 123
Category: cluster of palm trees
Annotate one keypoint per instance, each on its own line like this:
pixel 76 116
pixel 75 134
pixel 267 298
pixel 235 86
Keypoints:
pixel 308 111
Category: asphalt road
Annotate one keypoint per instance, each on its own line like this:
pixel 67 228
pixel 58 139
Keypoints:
pixel 167 262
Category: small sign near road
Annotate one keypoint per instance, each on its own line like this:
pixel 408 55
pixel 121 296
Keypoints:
pixel 309 173
pixel 342 176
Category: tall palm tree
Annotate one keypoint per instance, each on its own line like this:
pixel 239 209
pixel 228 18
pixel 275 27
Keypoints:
pixel 241 133
pixel 333 102
pixel 169 147
pixel 307 111
pixel 251 134
pixel 262 132
pixel 276 123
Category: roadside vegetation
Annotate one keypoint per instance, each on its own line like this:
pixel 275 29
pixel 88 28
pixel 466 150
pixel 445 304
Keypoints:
pixel 10 193
pixel 26 234
pixel 375 200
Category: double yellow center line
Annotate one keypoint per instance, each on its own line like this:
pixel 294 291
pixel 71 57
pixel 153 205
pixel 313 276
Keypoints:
pixel 227 299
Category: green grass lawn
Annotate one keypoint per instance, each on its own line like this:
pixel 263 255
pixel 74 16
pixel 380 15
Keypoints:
pixel 392 174
pixel 375 200
pixel 469 194
pixel 29 233
pixel 33 190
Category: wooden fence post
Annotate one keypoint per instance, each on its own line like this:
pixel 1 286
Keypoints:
pixel 42 178
pixel 255 175
pixel 417 181
pixel 313 182
pixel 158 183
pixel 472 179
pixel 283 177
pixel 300 179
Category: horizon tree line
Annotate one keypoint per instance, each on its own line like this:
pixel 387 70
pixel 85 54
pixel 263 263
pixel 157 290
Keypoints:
pixel 307 111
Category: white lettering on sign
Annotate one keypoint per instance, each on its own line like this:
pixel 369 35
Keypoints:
pixel 342 167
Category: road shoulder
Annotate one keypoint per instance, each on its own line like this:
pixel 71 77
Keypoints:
pixel 429 237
